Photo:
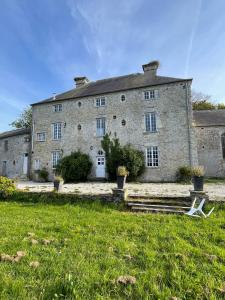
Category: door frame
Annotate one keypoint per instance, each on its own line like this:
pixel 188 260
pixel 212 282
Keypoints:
pixel 97 165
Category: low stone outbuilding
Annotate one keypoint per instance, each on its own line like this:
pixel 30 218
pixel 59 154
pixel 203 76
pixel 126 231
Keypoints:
pixel 210 134
pixel 15 153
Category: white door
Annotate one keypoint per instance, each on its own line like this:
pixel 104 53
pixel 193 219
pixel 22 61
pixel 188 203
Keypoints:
pixel 100 167
pixel 25 163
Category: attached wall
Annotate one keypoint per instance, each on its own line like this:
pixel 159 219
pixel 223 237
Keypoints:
pixel 12 160
pixel 210 150
pixel 174 136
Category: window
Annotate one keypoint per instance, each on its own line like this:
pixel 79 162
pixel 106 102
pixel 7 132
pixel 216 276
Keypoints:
pixel 152 94
pixel 100 152
pixel 123 98
pixel 123 122
pixel 57 107
pixel 79 104
pixel 79 127
pixel 56 131
pixel 56 155
pixel 223 144
pixel 37 164
pixel 152 156
pixel 6 145
pixel 150 122
pixel 100 126
pixel 41 136
pixel 100 102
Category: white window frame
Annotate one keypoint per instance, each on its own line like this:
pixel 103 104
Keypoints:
pixel 100 101
pixel 41 136
pixel 56 131
pixel 57 107
pixel 152 157
pixel 100 127
pixel 150 122
pixel 151 94
pixel 56 156
pixel 37 164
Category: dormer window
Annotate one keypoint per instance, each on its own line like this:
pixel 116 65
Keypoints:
pixel 123 98
pixel 151 94
pixel 100 101
pixel 57 107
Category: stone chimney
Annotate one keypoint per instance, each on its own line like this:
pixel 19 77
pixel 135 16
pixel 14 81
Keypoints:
pixel 80 81
pixel 151 68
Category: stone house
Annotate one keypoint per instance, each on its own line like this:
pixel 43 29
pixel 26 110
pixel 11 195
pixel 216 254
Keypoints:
pixel 152 113
pixel 15 153
pixel 210 133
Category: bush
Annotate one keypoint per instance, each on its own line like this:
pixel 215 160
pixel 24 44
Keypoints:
pixel 184 174
pixel 75 167
pixel 43 174
pixel 7 187
pixel 126 156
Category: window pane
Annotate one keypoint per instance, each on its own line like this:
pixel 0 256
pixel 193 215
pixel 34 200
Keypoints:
pixel 152 159
pixel 150 122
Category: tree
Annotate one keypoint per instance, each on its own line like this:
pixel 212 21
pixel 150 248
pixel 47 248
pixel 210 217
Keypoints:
pixel 201 101
pixel 24 120
pixel 117 155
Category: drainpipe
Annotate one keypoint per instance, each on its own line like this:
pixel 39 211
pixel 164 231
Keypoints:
pixel 189 124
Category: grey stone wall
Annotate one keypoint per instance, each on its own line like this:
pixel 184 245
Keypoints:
pixel 13 158
pixel 210 150
pixel 174 136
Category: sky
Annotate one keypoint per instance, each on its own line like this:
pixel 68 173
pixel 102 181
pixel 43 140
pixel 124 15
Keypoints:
pixel 44 44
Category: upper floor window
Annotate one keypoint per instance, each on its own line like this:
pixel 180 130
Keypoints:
pixel 150 122
pixel 151 94
pixel 6 145
pixel 57 107
pixel 41 136
pixel 223 144
pixel 56 156
pixel 56 131
pixel 100 101
pixel 152 156
pixel 100 126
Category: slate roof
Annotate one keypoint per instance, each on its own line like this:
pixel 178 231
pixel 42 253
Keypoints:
pixel 113 84
pixel 209 117
pixel 15 132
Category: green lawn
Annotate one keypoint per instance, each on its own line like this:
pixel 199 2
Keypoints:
pixel 92 244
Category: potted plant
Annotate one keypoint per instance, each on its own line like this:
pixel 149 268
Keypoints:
pixel 58 182
pixel 198 178
pixel 122 174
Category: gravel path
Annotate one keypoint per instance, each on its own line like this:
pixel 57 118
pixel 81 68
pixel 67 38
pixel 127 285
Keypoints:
pixel 215 191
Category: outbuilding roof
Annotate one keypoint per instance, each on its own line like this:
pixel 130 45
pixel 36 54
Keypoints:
pixel 113 84
pixel 15 132
pixel 209 117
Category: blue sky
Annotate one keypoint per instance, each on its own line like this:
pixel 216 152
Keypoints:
pixel 46 43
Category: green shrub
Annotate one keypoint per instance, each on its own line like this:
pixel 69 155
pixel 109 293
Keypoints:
pixel 7 187
pixel 43 174
pixel 75 167
pixel 117 155
pixel 184 174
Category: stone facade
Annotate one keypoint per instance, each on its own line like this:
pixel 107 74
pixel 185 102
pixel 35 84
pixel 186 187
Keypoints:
pixel 124 119
pixel 209 128
pixel 15 154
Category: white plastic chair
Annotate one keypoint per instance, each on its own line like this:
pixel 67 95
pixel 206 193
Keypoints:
pixel 193 212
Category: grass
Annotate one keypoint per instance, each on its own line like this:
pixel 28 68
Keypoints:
pixel 92 244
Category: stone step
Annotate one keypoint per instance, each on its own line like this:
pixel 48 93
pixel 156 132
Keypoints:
pixel 159 202
pixel 175 207
pixel 157 210
pixel 139 196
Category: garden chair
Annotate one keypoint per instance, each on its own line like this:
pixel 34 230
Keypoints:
pixel 193 212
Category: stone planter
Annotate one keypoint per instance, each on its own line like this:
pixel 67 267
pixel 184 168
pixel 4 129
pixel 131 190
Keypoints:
pixel 198 182
pixel 121 180
pixel 57 185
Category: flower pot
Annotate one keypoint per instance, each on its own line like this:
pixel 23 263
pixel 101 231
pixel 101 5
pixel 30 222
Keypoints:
pixel 198 182
pixel 121 182
pixel 57 185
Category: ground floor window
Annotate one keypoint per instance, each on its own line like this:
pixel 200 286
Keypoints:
pixel 152 156
pixel 37 164
pixel 56 156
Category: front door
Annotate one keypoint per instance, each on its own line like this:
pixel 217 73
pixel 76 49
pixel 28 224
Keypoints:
pixel 4 171
pixel 100 167
pixel 25 163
